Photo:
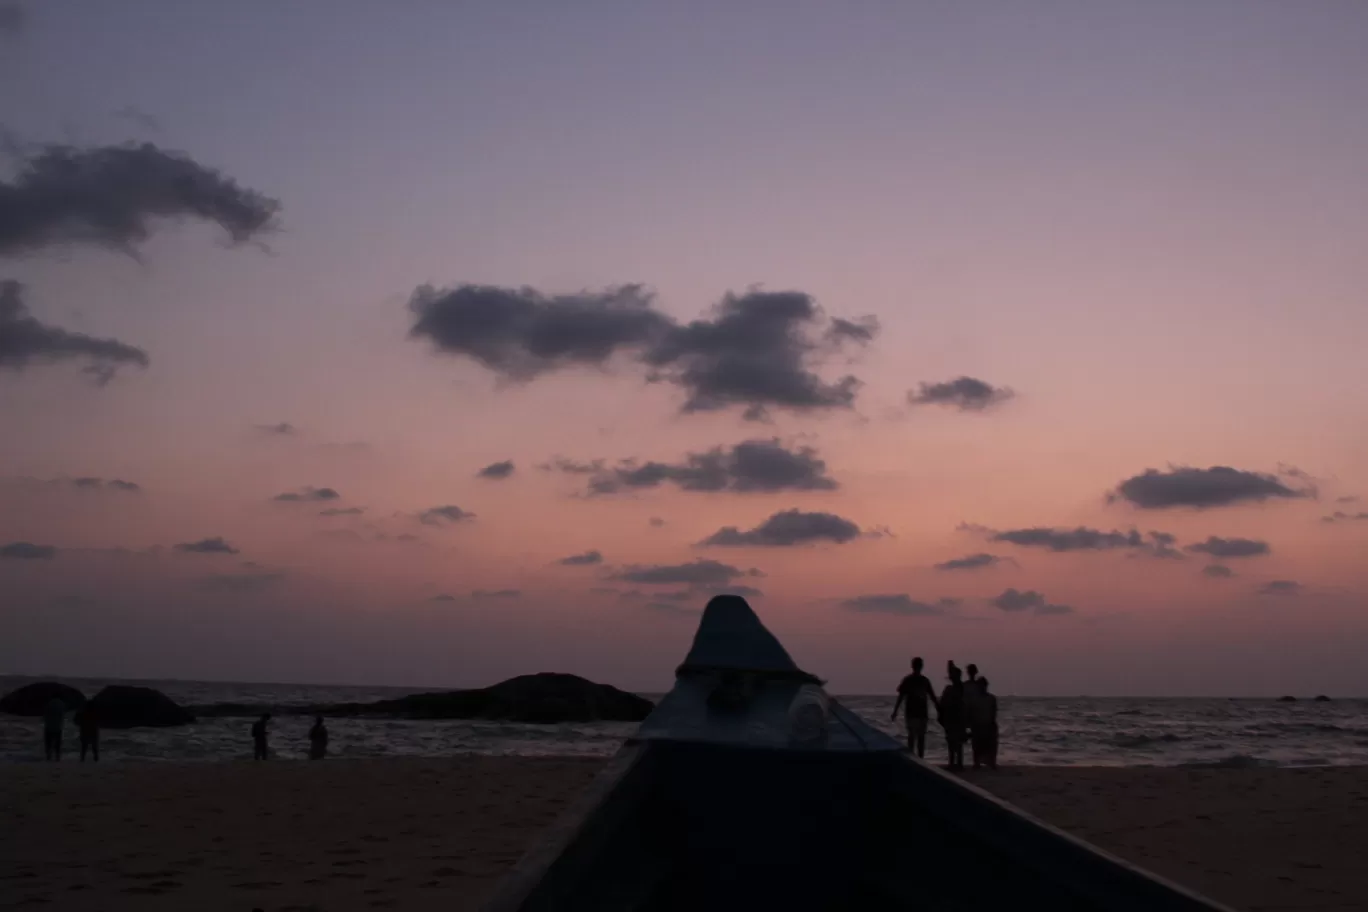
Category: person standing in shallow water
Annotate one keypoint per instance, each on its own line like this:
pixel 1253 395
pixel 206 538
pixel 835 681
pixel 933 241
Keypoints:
pixel 54 720
pixel 913 693
pixel 983 726
pixel 971 708
pixel 260 750
pixel 88 728
pixel 952 716
pixel 318 739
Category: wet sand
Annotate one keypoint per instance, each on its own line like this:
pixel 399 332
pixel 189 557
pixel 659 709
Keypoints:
pixel 437 834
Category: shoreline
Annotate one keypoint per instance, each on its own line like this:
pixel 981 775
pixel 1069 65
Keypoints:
pixel 414 833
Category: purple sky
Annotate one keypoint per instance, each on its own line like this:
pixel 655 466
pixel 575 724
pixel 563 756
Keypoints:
pixel 1144 225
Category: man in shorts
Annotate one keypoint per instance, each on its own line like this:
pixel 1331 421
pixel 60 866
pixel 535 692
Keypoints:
pixel 914 692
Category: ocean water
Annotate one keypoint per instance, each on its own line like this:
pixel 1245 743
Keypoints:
pixel 1035 731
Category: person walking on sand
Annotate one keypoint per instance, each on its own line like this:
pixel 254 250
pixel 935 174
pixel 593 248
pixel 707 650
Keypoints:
pixel 913 693
pixel 54 720
pixel 88 729
pixel 318 739
pixel 260 750
pixel 952 716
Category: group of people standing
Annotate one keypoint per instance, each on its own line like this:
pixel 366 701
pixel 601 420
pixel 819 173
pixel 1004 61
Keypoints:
pixel 261 748
pixel 54 724
pixel 966 710
pixel 88 727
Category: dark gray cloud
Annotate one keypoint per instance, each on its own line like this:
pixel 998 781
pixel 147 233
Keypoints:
pixel 675 608
pixel 1218 486
pixel 28 551
pixel 307 494
pixel 497 470
pixel 572 467
pixel 966 394
pixel 139 118
pixel 241 582
pixel 13 19
pixel 698 594
pixel 1051 608
pixel 1161 545
pixel 282 429
pixel 1230 547
pixel 862 330
pixel 586 559
pixel 656 522
pixel 971 562
pixel 1280 587
pixel 759 350
pixel 520 333
pixel 695 573
pixel 25 341
pixel 91 483
pixel 496 594
pixel 1341 516
pixel 450 513
pixel 787 528
pixel 1014 600
pixel 681 595
pixel 1083 538
pixel 748 467
pixel 342 511
pixel 215 545
pixel 111 196
pixel 1217 571
pixel 1347 499
pixel 899 603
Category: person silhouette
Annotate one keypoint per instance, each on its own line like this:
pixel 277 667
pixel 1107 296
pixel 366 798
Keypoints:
pixel 260 750
pixel 971 706
pixel 88 730
pixel 913 692
pixel 952 716
pixel 984 726
pixel 318 739
pixel 54 720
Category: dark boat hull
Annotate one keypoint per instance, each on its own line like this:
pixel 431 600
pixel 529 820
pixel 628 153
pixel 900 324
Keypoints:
pixel 692 815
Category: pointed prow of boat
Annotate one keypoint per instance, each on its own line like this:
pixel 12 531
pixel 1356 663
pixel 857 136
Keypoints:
pixel 749 788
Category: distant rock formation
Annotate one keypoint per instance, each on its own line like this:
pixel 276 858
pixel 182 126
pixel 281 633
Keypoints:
pixel 545 698
pixel 32 699
pixel 1321 698
pixel 1287 699
pixel 126 706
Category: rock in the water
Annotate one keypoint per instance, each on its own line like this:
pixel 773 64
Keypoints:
pixel 126 706
pixel 32 699
pixel 1321 698
pixel 1287 699
pixel 545 698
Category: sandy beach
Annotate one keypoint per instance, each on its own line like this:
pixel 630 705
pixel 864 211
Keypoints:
pixel 430 834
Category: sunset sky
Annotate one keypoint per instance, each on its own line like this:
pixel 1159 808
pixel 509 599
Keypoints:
pixel 414 302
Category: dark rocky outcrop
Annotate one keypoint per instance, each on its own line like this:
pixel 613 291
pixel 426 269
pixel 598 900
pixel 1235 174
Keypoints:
pixel 540 698
pixel 126 706
pixel 1321 698
pixel 545 698
pixel 1287 699
pixel 32 699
